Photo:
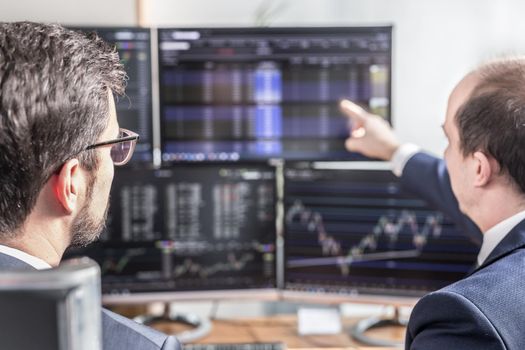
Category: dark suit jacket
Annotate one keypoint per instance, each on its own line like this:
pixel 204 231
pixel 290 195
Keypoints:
pixel 118 333
pixel 485 310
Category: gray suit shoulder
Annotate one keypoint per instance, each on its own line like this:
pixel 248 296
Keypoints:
pixel 121 333
pixel 118 332
pixel 9 263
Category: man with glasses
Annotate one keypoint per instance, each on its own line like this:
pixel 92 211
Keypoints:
pixel 59 143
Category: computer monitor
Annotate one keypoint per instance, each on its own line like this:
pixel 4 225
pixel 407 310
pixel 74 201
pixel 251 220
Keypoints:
pixel 229 94
pixel 355 232
pixel 189 233
pixel 134 110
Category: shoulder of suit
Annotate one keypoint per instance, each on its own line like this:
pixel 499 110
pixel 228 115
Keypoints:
pixel 122 333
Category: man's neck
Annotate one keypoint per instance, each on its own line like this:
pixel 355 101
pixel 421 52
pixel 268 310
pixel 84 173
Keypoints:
pixel 39 242
pixel 495 208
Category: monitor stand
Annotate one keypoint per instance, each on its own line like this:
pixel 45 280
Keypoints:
pixel 358 331
pixel 202 326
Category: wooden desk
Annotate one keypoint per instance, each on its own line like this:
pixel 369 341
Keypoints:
pixel 282 328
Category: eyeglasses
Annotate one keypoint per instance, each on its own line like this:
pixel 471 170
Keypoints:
pixel 121 148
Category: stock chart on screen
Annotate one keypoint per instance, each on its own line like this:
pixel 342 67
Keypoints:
pixel 189 229
pixel 358 231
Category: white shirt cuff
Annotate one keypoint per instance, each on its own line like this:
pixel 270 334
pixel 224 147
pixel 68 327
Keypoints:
pixel 401 157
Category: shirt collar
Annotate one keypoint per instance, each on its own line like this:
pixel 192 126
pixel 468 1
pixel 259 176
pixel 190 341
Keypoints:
pixel 37 263
pixel 495 234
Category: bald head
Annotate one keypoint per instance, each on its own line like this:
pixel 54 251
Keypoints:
pixel 489 110
pixel 461 94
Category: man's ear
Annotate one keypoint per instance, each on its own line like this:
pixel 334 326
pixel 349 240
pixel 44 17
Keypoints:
pixel 486 167
pixel 68 185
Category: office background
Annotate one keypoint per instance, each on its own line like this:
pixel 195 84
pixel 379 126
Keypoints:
pixel 435 41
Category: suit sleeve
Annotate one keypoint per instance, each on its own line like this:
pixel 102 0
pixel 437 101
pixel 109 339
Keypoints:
pixel 447 321
pixel 427 177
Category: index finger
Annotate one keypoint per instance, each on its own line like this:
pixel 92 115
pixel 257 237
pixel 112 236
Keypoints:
pixel 353 110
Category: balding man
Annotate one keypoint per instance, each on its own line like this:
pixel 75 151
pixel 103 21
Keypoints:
pixel 482 180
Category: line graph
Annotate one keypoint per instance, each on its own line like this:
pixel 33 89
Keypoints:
pixel 203 247
pixel 117 265
pixel 367 248
pixel 232 263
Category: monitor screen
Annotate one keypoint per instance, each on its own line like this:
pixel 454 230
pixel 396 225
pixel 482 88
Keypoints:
pixel 356 231
pixel 134 110
pixel 189 229
pixel 230 94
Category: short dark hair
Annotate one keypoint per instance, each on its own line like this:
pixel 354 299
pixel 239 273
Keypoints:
pixel 493 118
pixel 53 103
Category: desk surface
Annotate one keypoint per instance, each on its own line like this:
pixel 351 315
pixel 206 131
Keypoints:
pixel 283 328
